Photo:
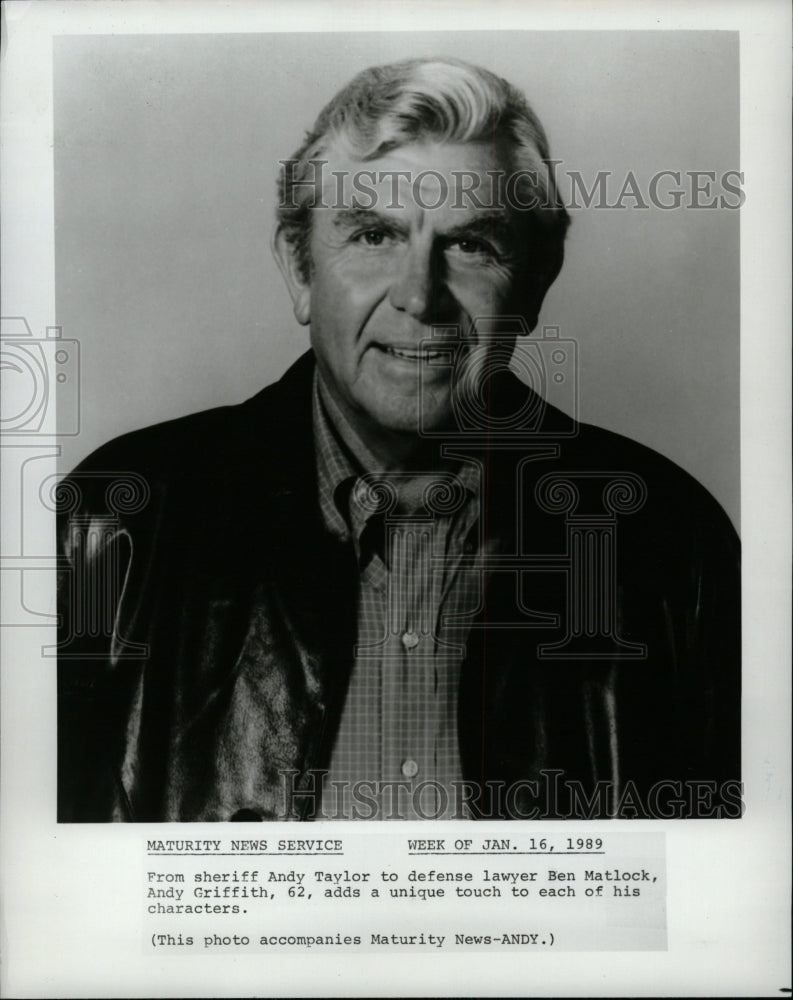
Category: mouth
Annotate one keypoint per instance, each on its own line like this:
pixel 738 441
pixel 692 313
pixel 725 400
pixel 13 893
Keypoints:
pixel 415 354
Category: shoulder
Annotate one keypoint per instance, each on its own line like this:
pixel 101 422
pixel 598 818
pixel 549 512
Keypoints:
pixel 213 442
pixel 593 459
pixel 607 474
pixel 650 489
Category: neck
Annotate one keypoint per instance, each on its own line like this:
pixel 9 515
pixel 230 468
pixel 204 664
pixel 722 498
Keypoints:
pixel 378 449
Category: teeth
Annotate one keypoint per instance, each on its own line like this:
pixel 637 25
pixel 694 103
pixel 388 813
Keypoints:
pixel 411 355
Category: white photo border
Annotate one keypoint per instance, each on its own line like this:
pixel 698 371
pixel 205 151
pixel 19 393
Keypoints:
pixel 71 913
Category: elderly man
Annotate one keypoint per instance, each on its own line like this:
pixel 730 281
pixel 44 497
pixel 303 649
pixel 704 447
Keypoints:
pixel 397 583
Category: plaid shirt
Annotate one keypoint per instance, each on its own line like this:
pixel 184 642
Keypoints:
pixel 396 753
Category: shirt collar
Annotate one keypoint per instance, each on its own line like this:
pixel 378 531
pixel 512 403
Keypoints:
pixel 338 472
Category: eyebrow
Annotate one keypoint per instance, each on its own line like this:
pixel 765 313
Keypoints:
pixel 351 218
pixel 494 225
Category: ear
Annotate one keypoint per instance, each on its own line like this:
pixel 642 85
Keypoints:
pixel 299 289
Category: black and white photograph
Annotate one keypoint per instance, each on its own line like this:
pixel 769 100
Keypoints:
pixel 401 580
pixel 385 439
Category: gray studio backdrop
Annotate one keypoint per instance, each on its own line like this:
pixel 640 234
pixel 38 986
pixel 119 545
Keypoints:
pixel 166 157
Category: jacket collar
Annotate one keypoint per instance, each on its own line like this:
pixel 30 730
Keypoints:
pixel 284 409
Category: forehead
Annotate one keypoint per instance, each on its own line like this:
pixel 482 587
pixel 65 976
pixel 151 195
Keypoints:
pixel 448 179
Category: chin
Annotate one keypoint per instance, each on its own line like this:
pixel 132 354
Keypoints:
pixel 410 419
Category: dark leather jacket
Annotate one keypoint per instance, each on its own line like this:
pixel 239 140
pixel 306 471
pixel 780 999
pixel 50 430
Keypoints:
pixel 208 624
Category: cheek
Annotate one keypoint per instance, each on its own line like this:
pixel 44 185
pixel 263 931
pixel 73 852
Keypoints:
pixel 350 284
pixel 481 291
pixel 339 314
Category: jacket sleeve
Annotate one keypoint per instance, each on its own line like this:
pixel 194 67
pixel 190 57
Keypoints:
pixel 680 712
pixel 94 551
pixel 713 634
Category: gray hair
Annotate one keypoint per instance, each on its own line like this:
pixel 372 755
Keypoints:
pixel 385 107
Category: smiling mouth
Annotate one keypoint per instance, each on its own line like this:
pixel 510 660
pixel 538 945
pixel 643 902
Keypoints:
pixel 412 354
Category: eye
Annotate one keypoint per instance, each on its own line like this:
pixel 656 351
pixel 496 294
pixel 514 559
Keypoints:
pixel 469 245
pixel 473 248
pixel 371 237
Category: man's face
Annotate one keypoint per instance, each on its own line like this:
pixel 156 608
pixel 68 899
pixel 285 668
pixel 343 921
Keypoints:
pixel 383 276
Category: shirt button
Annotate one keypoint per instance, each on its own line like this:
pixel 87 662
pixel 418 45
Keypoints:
pixel 246 816
pixel 410 640
pixel 410 768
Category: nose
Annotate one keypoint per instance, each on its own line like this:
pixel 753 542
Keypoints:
pixel 418 288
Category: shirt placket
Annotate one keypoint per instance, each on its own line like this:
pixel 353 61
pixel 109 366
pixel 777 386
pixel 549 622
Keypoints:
pixel 399 723
pixel 410 690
